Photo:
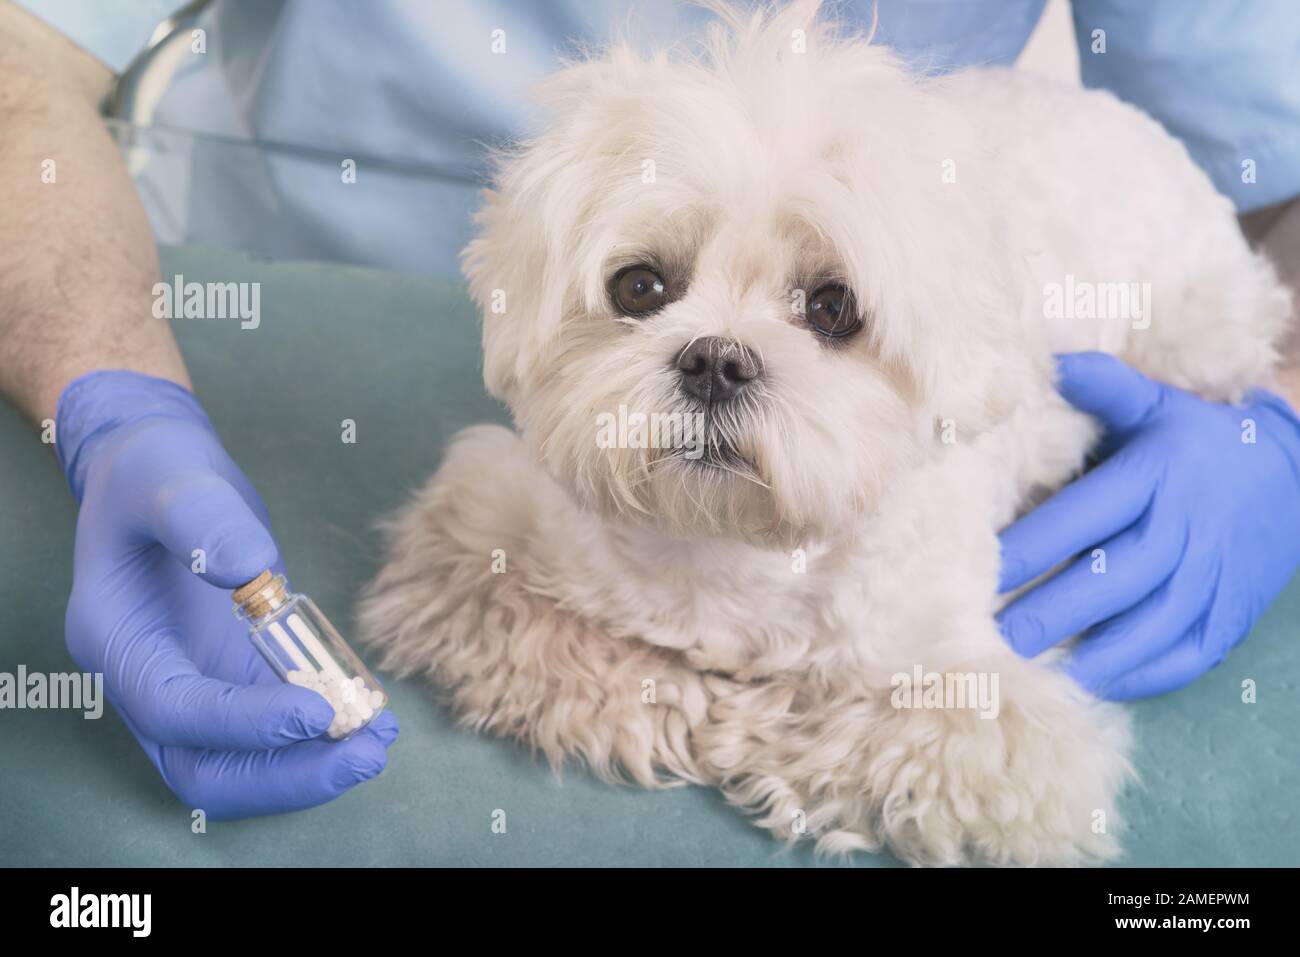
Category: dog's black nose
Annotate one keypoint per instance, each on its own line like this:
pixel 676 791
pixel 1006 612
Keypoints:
pixel 714 369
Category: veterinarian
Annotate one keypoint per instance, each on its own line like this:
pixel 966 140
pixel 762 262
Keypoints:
pixel 1194 549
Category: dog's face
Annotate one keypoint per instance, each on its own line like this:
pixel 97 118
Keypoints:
pixel 728 296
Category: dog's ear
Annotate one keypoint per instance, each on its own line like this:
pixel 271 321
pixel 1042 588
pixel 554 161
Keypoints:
pixel 503 265
pixel 965 302
pixel 516 273
pixel 976 308
pixel 929 257
pixel 527 263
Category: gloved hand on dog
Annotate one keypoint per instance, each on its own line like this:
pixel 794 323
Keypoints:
pixel 1196 506
pixel 168 525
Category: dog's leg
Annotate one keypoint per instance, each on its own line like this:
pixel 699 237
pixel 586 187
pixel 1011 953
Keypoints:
pixel 1029 778
pixel 456 603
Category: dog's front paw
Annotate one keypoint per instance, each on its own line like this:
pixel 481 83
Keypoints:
pixel 1034 785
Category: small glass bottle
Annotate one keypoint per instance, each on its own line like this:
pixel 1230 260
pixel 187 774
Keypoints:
pixel 304 649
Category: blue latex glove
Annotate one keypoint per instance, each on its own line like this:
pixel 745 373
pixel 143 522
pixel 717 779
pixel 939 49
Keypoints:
pixel 154 485
pixel 1201 531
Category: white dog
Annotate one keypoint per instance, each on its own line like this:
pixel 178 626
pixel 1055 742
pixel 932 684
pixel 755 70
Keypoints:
pixel 842 274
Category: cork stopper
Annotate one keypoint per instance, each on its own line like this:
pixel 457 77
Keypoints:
pixel 259 596
pixel 249 589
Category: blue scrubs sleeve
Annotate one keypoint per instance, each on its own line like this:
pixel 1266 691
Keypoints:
pixel 1222 77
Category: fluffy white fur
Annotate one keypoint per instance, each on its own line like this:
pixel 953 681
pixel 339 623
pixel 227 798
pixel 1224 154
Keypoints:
pixel 625 566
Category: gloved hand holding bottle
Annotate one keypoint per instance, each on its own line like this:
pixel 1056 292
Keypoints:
pixel 168 526
pixel 1196 507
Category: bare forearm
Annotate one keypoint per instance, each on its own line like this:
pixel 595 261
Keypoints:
pixel 77 258
pixel 1276 233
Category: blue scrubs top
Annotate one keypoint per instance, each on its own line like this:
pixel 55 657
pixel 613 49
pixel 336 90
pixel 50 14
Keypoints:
pixel 412 90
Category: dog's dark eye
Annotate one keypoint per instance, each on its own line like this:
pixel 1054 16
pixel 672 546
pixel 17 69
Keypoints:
pixel 832 312
pixel 638 291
